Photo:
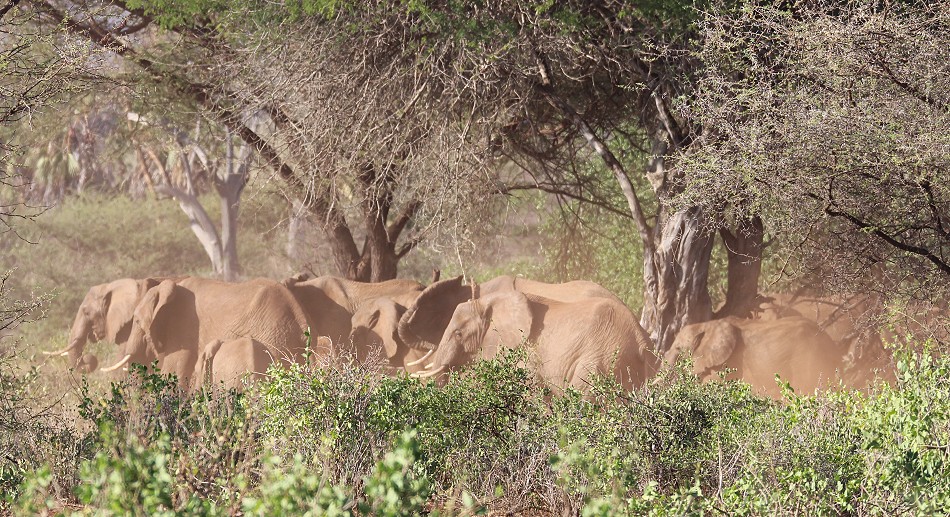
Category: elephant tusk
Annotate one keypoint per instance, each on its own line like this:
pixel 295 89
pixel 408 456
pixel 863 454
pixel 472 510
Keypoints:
pixel 428 373
pixel 430 365
pixel 119 364
pixel 64 351
pixel 421 359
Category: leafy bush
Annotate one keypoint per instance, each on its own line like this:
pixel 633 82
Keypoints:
pixel 474 433
pixel 344 440
pixel 688 448
pixel 394 489
pixel 617 443
pixel 904 432
pixel 296 490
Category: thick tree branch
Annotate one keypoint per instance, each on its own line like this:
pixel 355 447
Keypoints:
pixel 907 87
pixel 553 189
pixel 910 248
pixel 396 227
pixel 8 7
pixel 614 165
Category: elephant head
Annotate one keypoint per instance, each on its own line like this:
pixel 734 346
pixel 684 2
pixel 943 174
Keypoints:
pixel 711 344
pixel 374 324
pixel 148 339
pixel 423 324
pixel 486 324
pixel 105 314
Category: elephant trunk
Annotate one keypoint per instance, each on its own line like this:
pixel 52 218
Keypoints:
pixel 78 336
pixel 405 333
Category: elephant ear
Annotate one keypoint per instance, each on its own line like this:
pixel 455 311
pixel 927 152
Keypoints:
pixel 509 319
pixel 151 311
pixel 117 302
pixel 118 308
pixel 423 323
pixel 117 311
pixel 716 346
pixel 387 324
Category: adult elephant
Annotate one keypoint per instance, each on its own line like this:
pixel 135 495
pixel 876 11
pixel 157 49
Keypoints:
pixel 104 314
pixel 374 333
pixel 175 320
pixel 850 321
pixel 795 348
pixel 845 319
pixel 425 321
pixel 569 340
pixel 330 302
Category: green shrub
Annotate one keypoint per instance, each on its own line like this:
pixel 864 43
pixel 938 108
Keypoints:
pixel 394 488
pixel 344 440
pixel 617 442
pixel 478 432
pixel 905 435
pixel 131 477
pixel 296 490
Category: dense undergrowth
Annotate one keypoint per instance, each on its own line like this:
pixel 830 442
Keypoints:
pixel 344 440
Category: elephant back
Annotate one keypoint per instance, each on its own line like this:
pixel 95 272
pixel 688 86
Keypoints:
pixel 275 318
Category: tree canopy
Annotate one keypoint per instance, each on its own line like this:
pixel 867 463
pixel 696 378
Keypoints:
pixel 821 125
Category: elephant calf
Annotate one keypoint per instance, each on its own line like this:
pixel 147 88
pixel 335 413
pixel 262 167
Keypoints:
pixel 229 363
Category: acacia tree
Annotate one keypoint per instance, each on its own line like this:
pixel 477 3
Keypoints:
pixel 545 84
pixel 345 140
pixel 570 82
pixel 182 174
pixel 39 67
pixel 835 121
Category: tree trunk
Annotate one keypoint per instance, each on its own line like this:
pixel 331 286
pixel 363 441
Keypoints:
pixel 675 277
pixel 298 218
pixel 744 250
pixel 379 259
pixel 229 190
pixel 383 258
pixel 346 255
pixel 200 224
pixel 378 251
pixel 231 266
pixel 676 267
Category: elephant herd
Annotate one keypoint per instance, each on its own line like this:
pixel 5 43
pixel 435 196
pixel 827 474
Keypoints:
pixel 209 331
